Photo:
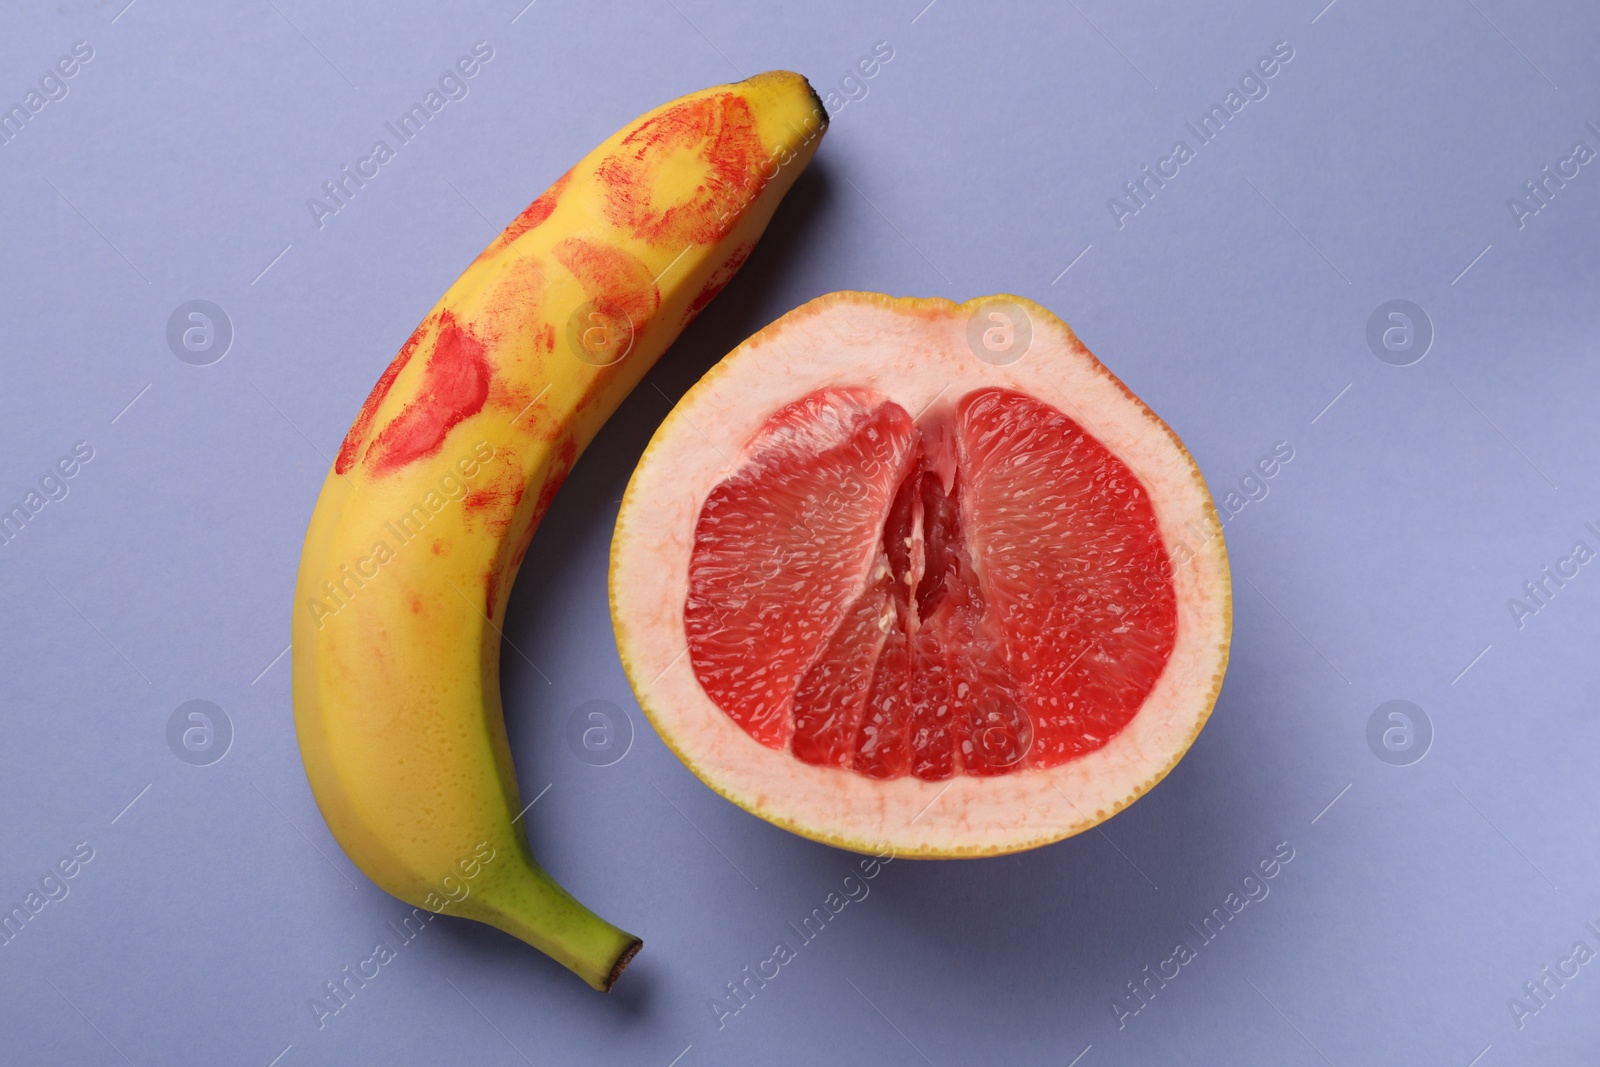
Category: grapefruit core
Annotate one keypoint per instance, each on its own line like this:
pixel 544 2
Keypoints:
pixel 923 575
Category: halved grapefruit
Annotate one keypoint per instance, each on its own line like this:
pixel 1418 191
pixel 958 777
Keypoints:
pixel 910 574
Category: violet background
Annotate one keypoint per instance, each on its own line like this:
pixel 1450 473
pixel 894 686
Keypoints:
pixel 980 159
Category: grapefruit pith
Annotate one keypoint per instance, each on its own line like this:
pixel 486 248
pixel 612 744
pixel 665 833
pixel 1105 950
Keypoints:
pixel 908 573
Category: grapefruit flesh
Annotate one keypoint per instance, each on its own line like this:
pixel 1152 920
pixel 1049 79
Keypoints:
pixel 884 591
pixel 975 591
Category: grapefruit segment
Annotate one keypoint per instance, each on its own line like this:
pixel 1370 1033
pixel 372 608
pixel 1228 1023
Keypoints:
pixel 973 629
pixel 786 543
pixel 1072 559
pixel 833 691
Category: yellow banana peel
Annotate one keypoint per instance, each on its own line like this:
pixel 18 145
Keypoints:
pixel 436 491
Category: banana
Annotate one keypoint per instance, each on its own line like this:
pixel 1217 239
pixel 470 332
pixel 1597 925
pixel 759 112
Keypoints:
pixel 423 520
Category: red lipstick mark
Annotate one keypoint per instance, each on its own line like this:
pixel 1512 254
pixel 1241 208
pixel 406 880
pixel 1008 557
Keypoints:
pixel 532 215
pixel 357 435
pixel 617 282
pixel 498 506
pixel 720 130
pixel 512 307
pixel 454 387
pixel 722 277
pixel 565 457
pixel 495 504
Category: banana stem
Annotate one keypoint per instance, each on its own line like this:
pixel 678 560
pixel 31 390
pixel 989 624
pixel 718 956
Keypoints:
pixel 535 908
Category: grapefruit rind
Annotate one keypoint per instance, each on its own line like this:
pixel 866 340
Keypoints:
pixel 917 351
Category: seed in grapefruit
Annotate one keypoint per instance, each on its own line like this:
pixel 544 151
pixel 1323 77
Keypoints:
pixel 889 575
